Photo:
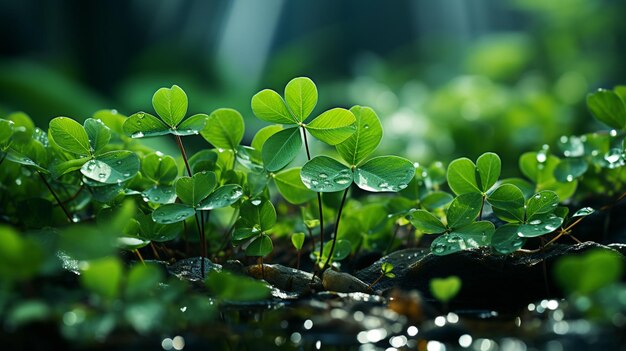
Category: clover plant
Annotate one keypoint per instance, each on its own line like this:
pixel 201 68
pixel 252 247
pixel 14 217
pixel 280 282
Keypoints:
pixel 530 218
pixel 120 195
pixel 379 174
pixel 23 144
pixel 297 240
pixel 278 150
pixel 594 159
pixel 257 217
pixel 170 105
pixel 385 271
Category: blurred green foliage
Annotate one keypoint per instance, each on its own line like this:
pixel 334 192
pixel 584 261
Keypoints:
pixel 512 73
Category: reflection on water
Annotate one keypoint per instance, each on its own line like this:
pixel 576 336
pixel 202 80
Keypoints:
pixel 357 321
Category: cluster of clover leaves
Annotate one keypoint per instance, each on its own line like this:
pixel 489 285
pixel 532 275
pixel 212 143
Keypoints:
pixel 527 208
pixel 81 193
pixel 90 170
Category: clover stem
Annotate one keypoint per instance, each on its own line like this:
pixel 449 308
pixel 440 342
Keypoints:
pixel 202 244
pixel 575 239
pixel 369 287
pixel 73 197
pixel 199 226
pixel 482 206
pixel 332 247
pixel 319 197
pixel 154 251
pixel 56 197
pixel 179 141
pixel 140 257
pixel 203 233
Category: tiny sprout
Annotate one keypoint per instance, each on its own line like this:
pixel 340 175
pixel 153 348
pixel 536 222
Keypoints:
pixel 312 223
pixel 297 239
pixel 385 271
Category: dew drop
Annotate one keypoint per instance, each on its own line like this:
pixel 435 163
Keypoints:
pixel 613 157
pixel 137 135
pixel 569 178
pixel 314 182
pixel 535 222
pixel 439 248
pixel 341 180
pixel 256 202
pixel 383 185
pixel 102 175
pixel 541 157
pixel 550 227
pixel 323 175
pixel 140 115
pixel 366 126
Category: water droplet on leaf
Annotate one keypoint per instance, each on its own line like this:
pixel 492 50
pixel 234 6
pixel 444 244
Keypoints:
pixel 439 248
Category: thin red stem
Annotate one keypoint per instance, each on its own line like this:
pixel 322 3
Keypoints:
pixel 332 247
pixel 179 141
pixel 56 197
pixel 319 196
